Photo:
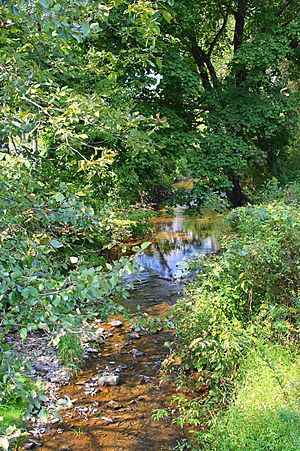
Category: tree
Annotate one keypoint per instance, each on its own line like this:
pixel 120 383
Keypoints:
pixel 236 62
pixel 60 82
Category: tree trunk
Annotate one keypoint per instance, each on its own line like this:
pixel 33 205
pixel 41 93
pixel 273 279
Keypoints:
pixel 199 57
pixel 240 16
pixel 235 195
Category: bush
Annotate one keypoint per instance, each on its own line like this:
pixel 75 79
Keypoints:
pixel 53 274
pixel 243 299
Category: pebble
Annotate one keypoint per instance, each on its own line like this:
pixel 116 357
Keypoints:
pixel 116 323
pixel 145 379
pixel 134 335
pixel 110 380
pixel 108 420
pixel 42 368
pixel 113 405
pixel 92 350
pixel 136 353
pixel 32 444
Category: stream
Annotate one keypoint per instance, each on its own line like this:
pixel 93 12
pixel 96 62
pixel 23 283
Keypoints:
pixel 120 417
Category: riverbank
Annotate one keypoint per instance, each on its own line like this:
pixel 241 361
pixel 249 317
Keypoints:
pixel 238 333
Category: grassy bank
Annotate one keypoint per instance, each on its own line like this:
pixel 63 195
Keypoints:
pixel 264 411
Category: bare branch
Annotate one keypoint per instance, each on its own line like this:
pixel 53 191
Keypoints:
pixel 220 32
pixel 284 7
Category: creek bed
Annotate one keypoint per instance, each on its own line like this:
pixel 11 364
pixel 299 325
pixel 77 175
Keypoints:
pixel 121 417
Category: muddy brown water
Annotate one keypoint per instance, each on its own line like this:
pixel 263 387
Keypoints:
pixel 94 422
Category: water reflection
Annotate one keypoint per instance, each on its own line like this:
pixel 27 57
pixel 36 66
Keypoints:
pixel 176 240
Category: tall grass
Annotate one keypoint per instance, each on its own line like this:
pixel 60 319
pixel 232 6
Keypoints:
pixel 265 413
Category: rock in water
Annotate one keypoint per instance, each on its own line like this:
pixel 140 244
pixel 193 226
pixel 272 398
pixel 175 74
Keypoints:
pixel 116 323
pixel 134 335
pixel 110 380
pixel 135 353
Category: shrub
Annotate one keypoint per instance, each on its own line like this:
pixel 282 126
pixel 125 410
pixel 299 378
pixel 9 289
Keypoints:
pixel 248 294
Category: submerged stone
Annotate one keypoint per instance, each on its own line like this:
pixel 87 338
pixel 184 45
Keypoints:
pixel 116 323
pixel 110 380
pixel 136 353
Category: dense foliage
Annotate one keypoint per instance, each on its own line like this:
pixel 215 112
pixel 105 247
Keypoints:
pixel 54 273
pixel 244 303
pixel 62 96
pixel 102 106
pixel 228 74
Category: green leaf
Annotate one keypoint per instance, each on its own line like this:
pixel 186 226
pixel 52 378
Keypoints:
pixel 59 197
pixel 145 245
pixel 46 3
pixel 85 29
pixel 23 333
pixel 56 244
pixel 166 15
pixel 43 415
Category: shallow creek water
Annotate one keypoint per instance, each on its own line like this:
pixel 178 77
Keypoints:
pixel 95 422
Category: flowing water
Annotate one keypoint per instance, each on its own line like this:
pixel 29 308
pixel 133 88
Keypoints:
pixel 120 417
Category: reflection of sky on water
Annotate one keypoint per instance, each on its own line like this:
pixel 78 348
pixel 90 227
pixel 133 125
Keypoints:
pixel 173 263
pixel 176 240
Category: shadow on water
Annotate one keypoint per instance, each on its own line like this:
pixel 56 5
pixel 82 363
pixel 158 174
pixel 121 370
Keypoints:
pixel 157 285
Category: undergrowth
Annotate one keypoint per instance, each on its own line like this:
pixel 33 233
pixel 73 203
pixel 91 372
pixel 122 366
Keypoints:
pixel 11 414
pixel 70 351
pixel 265 411
pixel 238 331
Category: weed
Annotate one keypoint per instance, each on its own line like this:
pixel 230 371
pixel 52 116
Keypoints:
pixel 70 351
pixel 158 414
pixel 11 415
